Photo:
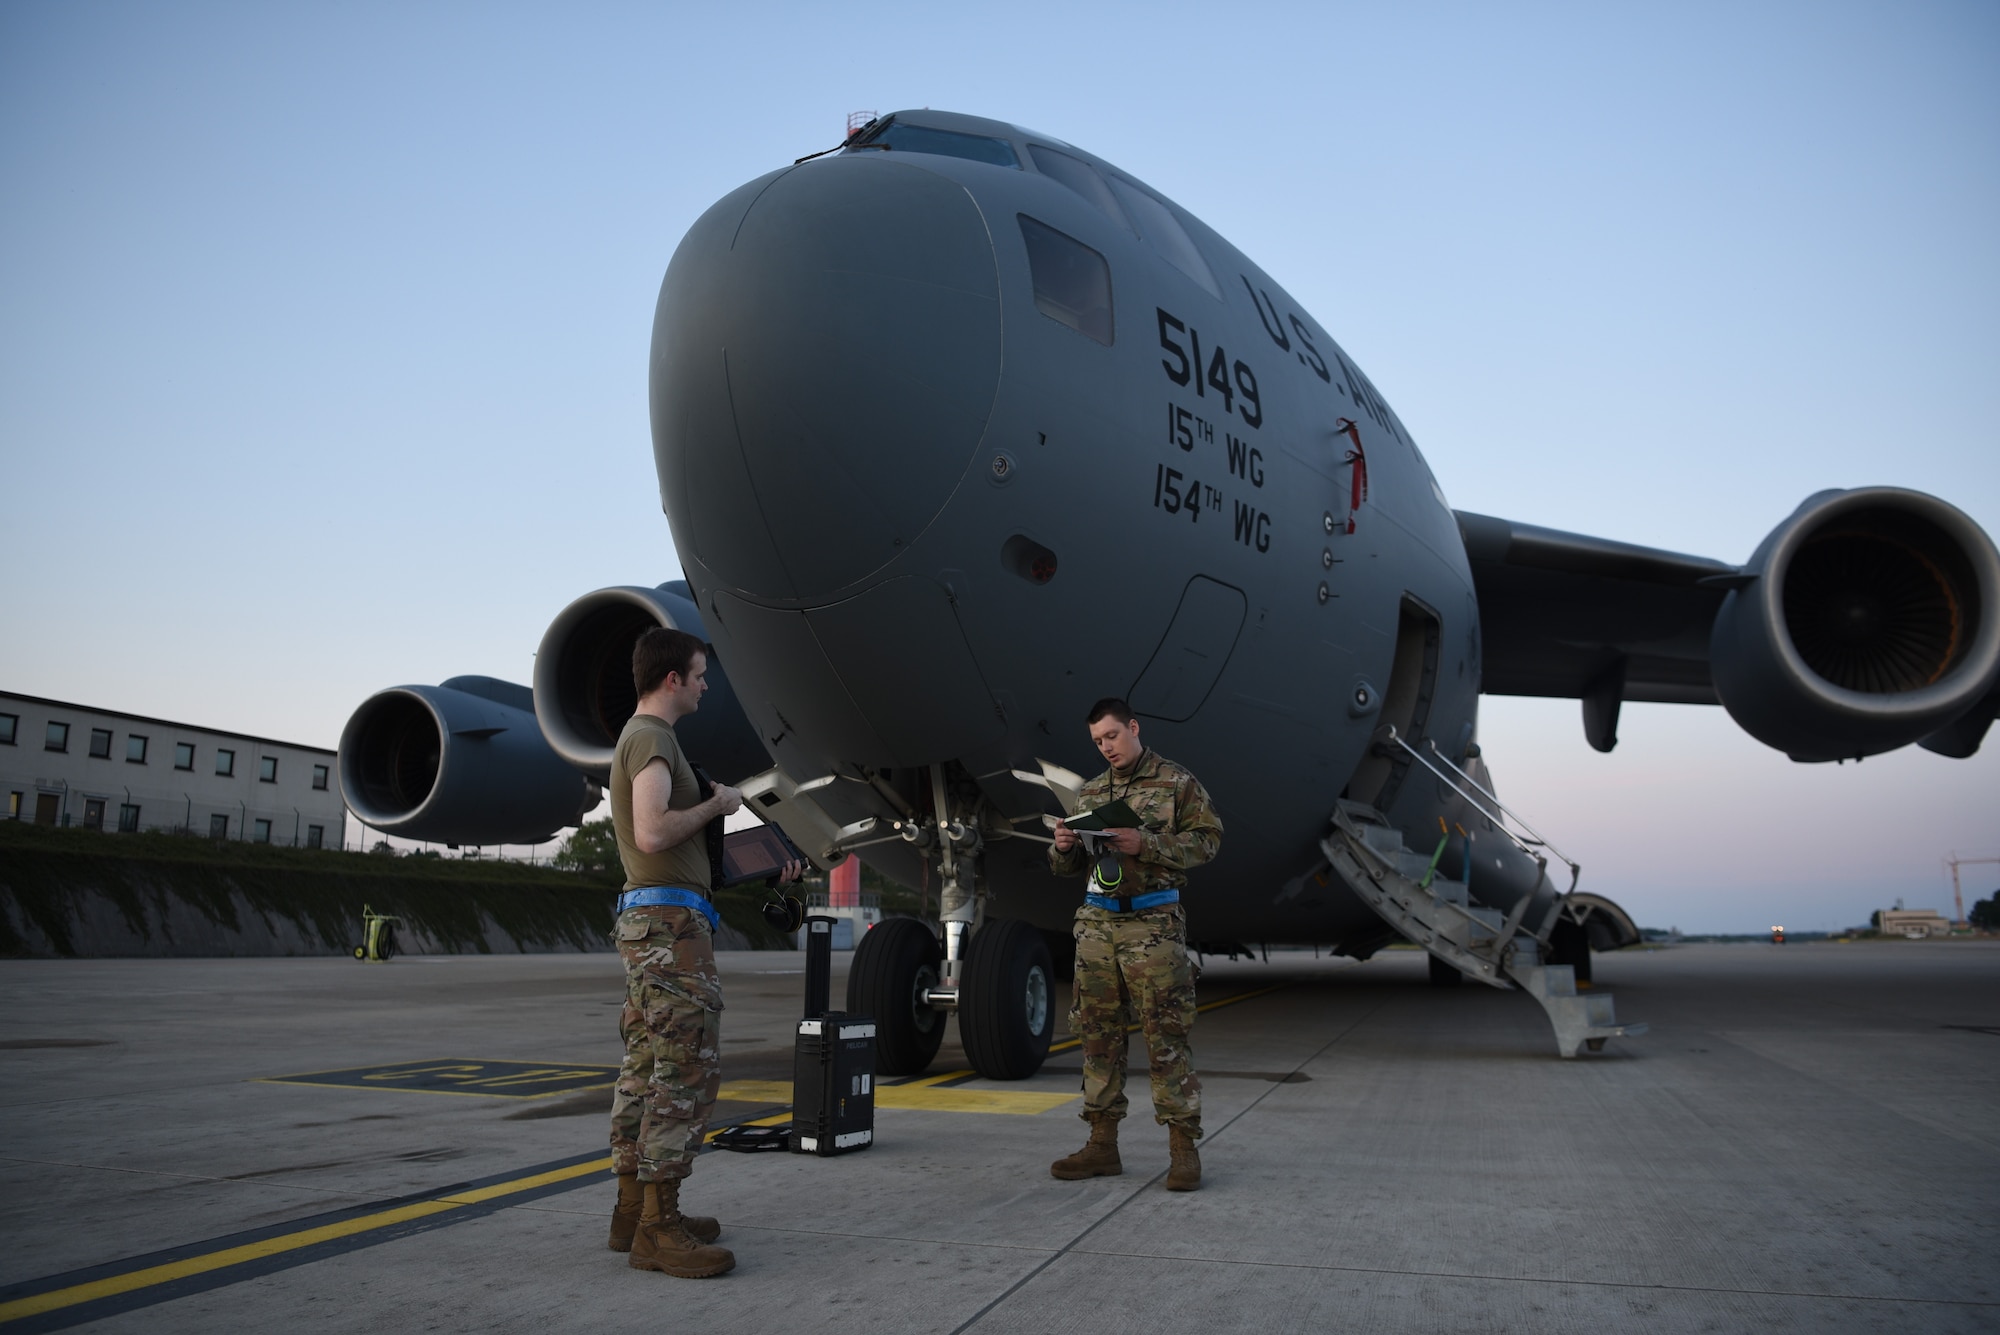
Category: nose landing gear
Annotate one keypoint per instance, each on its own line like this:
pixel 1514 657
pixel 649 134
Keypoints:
pixel 996 973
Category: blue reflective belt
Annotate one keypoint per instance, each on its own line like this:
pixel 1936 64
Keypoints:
pixel 1132 903
pixel 674 896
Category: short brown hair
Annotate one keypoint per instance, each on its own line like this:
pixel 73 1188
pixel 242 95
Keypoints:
pixel 660 652
pixel 1109 707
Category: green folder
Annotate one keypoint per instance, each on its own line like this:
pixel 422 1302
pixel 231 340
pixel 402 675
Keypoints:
pixel 1114 815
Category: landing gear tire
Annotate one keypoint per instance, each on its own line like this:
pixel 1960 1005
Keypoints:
pixel 1569 944
pixel 1006 1000
pixel 1444 974
pixel 893 966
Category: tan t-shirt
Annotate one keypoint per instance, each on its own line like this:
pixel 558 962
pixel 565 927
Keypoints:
pixel 646 738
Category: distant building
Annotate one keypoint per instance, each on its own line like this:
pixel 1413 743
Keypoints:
pixel 1914 923
pixel 68 764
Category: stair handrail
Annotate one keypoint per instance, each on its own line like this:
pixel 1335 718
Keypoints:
pixel 1501 813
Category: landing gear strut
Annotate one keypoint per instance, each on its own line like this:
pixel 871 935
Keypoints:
pixel 997 974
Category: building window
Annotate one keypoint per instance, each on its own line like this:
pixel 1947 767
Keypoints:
pixel 57 737
pixel 184 755
pixel 93 813
pixel 14 805
pixel 218 827
pixel 315 836
pixel 267 769
pixel 8 724
pixel 128 819
pixel 319 778
pixel 100 743
pixel 260 831
pixel 135 749
pixel 225 762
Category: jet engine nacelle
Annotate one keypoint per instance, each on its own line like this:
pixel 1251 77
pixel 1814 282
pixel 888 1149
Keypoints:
pixel 584 692
pixel 1868 620
pixel 459 763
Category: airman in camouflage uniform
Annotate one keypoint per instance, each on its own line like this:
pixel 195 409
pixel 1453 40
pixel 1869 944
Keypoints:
pixel 672 1020
pixel 1131 961
pixel 671 1025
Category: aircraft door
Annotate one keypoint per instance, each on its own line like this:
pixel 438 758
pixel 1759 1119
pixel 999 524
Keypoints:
pixel 1191 655
pixel 1406 706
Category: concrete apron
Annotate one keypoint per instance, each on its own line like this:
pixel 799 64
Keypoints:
pixel 1803 1143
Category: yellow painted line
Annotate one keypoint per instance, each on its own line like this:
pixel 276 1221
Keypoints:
pixel 1020 1101
pixel 918 1094
pixel 114 1285
pixel 569 1078
pixel 922 1094
pixel 756 1091
pixel 609 1081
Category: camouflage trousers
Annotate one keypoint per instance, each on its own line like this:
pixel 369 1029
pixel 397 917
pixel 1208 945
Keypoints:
pixel 1133 969
pixel 672 1027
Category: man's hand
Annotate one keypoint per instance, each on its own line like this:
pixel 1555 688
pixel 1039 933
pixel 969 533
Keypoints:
pixel 1065 838
pixel 1124 841
pixel 728 800
pixel 792 872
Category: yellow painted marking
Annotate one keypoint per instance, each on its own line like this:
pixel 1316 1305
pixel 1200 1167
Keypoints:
pixel 113 1285
pixel 756 1091
pixel 1021 1101
pixel 447 1093
pixel 918 1094
pixel 479 1079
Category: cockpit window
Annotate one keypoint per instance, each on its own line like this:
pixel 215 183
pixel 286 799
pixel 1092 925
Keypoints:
pixel 1072 281
pixel 1162 231
pixel 1079 176
pixel 896 137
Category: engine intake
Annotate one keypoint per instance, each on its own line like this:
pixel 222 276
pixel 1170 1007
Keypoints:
pixel 459 763
pixel 584 692
pixel 1868 620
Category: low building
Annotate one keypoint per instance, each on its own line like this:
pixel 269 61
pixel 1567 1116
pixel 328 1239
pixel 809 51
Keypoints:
pixel 70 764
pixel 1914 923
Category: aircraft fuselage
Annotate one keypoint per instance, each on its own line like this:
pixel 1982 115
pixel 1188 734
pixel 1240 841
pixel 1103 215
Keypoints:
pixel 952 448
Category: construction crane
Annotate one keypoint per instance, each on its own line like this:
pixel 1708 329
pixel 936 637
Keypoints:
pixel 1957 898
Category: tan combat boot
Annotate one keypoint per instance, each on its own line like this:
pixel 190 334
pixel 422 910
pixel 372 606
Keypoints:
pixel 1097 1158
pixel 631 1203
pixel 1184 1174
pixel 663 1242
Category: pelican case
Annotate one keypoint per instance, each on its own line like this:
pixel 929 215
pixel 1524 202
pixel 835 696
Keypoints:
pixel 833 1067
pixel 833 1085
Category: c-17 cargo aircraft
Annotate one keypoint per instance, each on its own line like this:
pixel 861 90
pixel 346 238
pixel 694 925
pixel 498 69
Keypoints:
pixel 959 428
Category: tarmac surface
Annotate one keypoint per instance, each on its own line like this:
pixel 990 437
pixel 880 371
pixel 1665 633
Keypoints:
pixel 1808 1140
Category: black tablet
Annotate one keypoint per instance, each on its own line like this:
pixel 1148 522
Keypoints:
pixel 756 854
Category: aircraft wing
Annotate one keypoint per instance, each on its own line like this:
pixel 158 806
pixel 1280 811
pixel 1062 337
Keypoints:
pixel 1564 614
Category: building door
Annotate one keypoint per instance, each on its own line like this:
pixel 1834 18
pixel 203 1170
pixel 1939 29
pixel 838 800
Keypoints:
pixel 93 813
pixel 46 806
pixel 218 827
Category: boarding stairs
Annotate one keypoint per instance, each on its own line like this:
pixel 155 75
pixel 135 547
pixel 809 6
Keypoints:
pixel 1501 950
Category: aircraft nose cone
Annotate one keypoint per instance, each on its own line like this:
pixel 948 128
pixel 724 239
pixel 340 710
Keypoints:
pixel 826 353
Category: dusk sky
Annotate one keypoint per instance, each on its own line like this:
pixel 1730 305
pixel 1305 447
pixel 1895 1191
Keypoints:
pixel 324 346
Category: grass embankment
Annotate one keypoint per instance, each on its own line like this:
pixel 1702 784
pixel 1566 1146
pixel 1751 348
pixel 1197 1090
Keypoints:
pixel 50 875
